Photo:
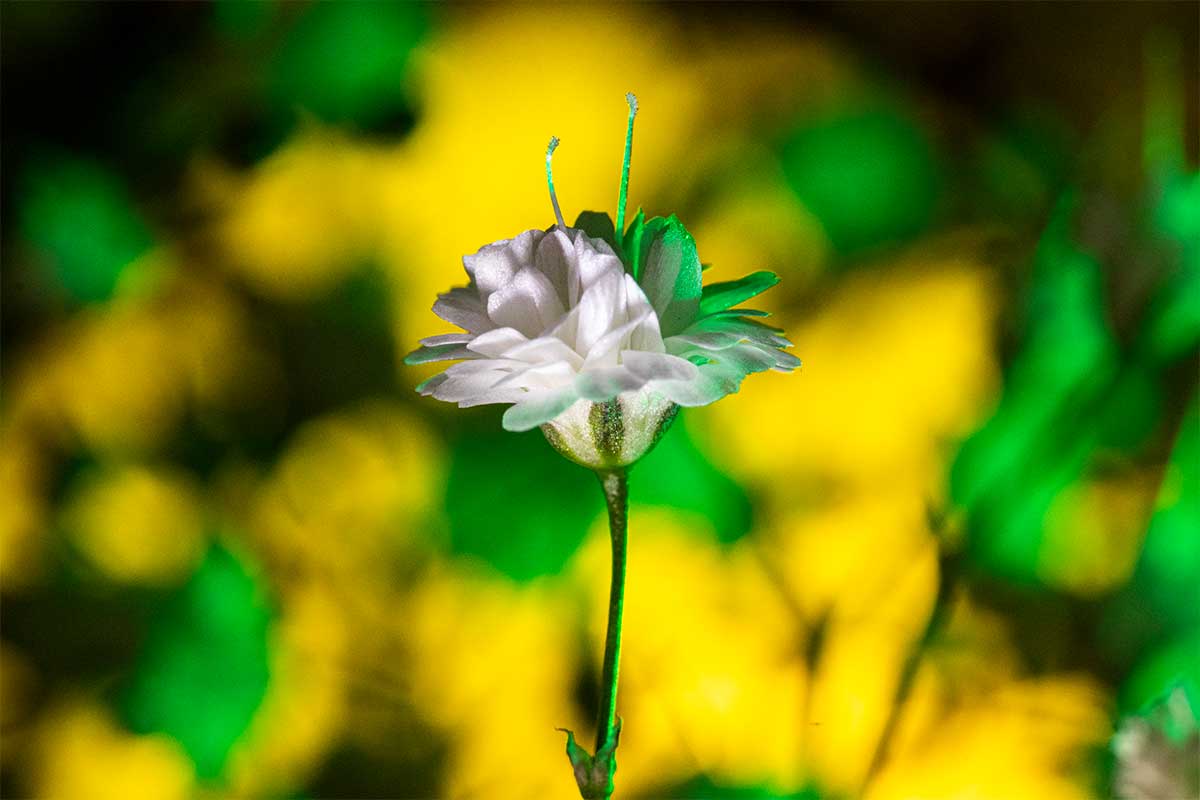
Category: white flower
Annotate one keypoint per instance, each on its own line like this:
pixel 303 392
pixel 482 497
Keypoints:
pixel 598 353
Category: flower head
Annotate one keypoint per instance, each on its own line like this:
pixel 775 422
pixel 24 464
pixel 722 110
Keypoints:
pixel 598 338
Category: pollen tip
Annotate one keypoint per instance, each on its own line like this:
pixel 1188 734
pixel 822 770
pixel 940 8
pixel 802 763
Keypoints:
pixel 631 98
pixel 550 148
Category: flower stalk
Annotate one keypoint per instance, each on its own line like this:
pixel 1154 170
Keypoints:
pixel 594 773
pixel 616 496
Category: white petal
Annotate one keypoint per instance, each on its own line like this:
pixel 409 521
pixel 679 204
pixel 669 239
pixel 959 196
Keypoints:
pixel 544 349
pixel 600 306
pixel 496 264
pixel 605 351
pixel 457 388
pixel 555 258
pixel 447 338
pixel 489 396
pixel 479 365
pixel 659 366
pixel 594 258
pixel 606 383
pixel 683 343
pixel 515 308
pixel 427 386
pixel 744 329
pixel 528 303
pixel 721 376
pixel 567 329
pixel 495 343
pixel 540 376
pixel 714 382
pixel 647 335
pixel 538 409
pixel 462 306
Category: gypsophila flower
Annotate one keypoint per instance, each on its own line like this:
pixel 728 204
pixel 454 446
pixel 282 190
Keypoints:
pixel 598 333
pixel 598 339
pixel 554 323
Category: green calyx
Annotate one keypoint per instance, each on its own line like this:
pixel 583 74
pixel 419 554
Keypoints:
pixel 594 773
pixel 612 434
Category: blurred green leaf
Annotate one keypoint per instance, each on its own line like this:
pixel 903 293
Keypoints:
pixel 1176 663
pixel 676 474
pixel 346 62
pixel 517 504
pixel 1057 408
pixel 1173 327
pixel 204 669
pixel 870 177
pixel 81 217
pixel 1022 165
pixel 1168 573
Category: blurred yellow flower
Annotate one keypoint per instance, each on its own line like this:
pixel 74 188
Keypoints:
pixel 349 489
pixel 118 378
pixel 80 751
pixel 114 378
pixel 304 711
pixel 898 364
pixel 137 523
pixel 304 218
pixel 492 664
pixel 1026 738
pixel 864 571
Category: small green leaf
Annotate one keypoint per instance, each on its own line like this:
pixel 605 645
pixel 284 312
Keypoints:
pixel 598 225
pixel 720 296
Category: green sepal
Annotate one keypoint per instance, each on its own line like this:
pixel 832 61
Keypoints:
pixel 663 260
pixel 631 244
pixel 594 774
pixel 639 240
pixel 720 296
pixel 598 225
pixel 739 312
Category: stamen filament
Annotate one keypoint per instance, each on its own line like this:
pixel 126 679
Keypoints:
pixel 550 182
pixel 630 98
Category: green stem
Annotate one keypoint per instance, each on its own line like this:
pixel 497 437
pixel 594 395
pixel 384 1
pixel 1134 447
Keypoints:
pixel 616 495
